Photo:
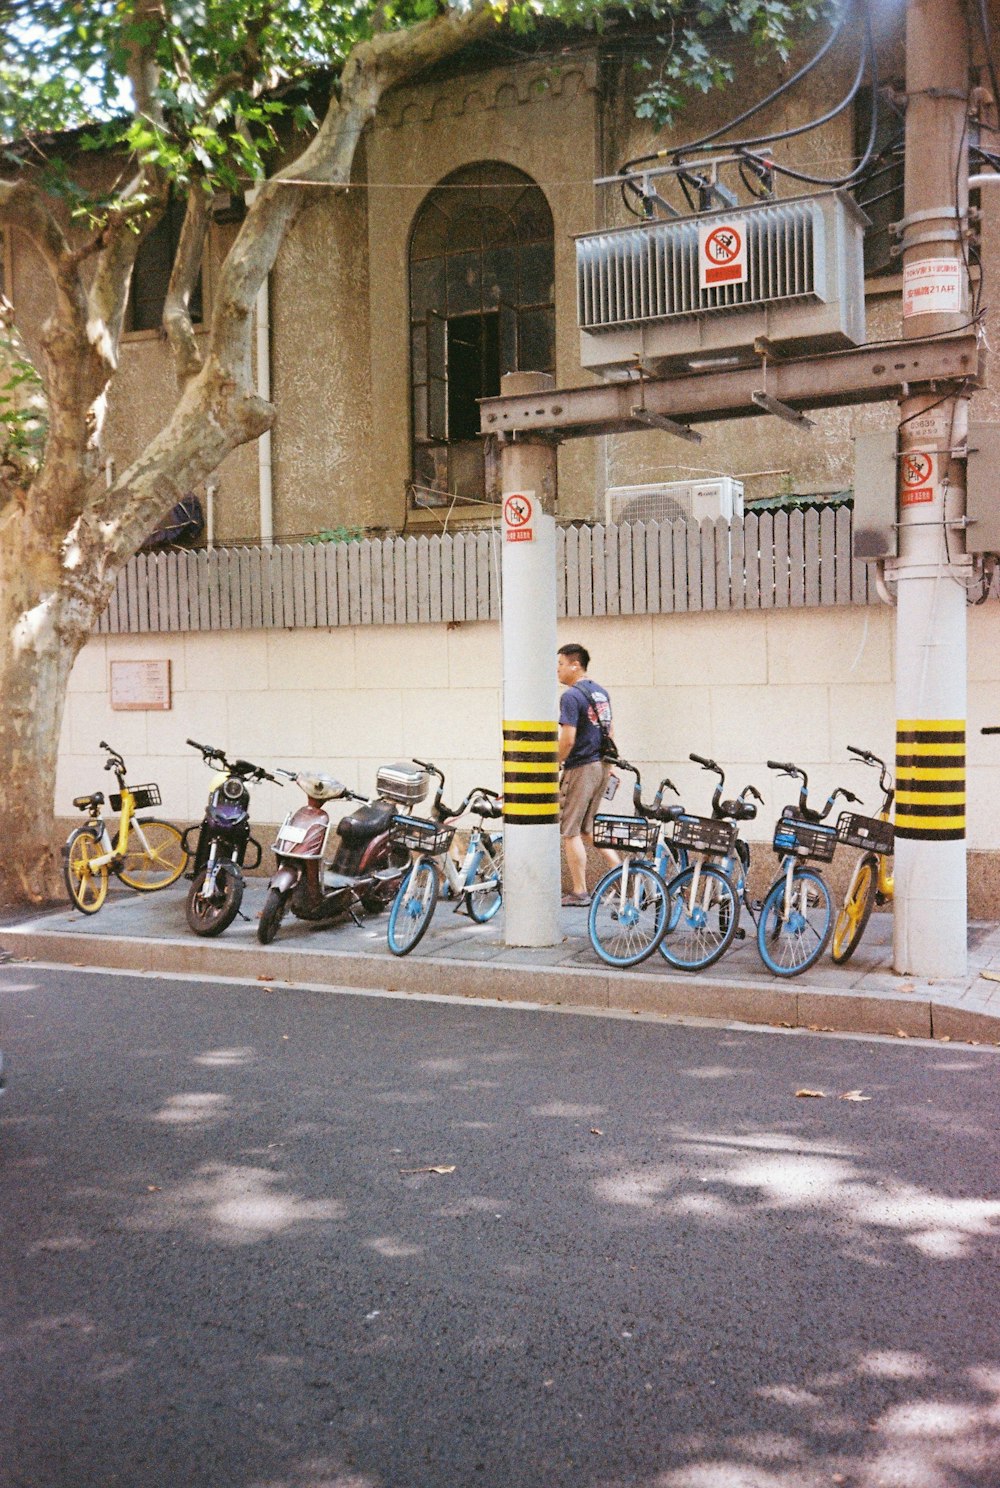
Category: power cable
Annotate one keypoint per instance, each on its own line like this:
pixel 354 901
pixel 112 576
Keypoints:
pixel 756 107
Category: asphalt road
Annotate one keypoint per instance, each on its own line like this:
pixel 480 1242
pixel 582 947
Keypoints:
pixel 223 1260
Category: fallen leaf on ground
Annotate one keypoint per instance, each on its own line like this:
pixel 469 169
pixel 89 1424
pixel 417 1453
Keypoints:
pixel 265 979
pixel 152 1188
pixel 816 1094
pixel 427 1170
pixel 902 1033
pixel 945 1038
pixel 854 1095
pixel 595 1131
pixel 990 976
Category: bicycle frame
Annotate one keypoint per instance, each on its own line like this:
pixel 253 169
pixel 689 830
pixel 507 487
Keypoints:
pixel 457 875
pixel 114 852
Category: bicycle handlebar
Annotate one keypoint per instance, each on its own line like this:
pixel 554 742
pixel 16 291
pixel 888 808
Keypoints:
pixel 807 812
pixel 992 728
pixel 241 768
pixel 706 764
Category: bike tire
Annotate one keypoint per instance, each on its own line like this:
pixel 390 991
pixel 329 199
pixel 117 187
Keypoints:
pixel 855 912
pixel 158 867
pixel 788 948
pixel 700 934
pixel 271 915
pixel 211 916
pixel 413 907
pixel 484 903
pixel 87 887
pixel 628 914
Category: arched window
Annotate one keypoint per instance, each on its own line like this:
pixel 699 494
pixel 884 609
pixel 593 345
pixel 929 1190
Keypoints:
pixel 481 304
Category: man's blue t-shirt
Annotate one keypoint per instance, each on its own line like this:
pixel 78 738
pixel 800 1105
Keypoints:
pixel 581 706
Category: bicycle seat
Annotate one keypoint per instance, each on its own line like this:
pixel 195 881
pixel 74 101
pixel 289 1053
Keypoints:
pixel 89 803
pixel 670 813
pixel 737 810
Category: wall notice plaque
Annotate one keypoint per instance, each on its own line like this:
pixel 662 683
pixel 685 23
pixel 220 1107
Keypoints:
pixel 140 684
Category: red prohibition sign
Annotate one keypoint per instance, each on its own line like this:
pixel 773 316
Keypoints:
pixel 723 244
pixel 917 469
pixel 517 510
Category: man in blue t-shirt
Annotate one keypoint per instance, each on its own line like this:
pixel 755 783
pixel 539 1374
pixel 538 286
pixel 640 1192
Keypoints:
pixel 583 708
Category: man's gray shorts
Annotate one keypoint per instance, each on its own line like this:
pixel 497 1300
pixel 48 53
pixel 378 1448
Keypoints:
pixel 580 792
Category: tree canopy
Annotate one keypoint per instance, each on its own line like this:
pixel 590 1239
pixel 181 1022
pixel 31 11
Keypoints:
pixel 110 108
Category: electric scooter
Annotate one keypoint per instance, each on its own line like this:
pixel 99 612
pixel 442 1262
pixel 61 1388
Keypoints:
pixel 217 884
pixel 364 872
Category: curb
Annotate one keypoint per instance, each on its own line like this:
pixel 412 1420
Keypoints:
pixel 788 1005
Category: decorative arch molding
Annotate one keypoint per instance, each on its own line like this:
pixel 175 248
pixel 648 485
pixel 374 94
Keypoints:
pixel 506 89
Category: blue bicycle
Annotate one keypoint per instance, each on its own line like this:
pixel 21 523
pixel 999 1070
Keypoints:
pixel 706 895
pixel 797 914
pixel 630 907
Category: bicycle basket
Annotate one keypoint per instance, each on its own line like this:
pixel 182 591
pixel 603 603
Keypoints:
pixel 632 834
pixel 866 832
pixel 801 839
pixel 705 835
pixel 143 796
pixel 418 835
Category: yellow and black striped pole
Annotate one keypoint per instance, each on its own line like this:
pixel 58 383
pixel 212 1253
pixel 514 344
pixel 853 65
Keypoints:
pixel 930 779
pixel 530 772
pixel 530 731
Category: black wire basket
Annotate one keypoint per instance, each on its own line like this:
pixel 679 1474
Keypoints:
pixel 705 835
pixel 632 834
pixel 143 796
pixel 418 835
pixel 801 839
pixel 869 833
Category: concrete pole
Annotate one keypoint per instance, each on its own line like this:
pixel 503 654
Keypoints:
pixel 930 927
pixel 530 728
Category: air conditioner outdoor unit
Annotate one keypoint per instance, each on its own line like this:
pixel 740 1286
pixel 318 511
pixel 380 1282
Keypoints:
pixel 641 300
pixel 674 501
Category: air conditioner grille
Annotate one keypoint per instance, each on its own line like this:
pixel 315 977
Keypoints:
pixel 651 272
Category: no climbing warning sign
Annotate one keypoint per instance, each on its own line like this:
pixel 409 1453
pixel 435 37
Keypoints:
pixel 722 252
pixel 519 516
pixel 917 478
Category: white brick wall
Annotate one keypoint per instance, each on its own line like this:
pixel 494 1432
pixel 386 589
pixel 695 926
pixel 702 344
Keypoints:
pixel 740 686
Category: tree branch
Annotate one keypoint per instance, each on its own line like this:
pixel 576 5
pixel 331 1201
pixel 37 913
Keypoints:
pixel 183 279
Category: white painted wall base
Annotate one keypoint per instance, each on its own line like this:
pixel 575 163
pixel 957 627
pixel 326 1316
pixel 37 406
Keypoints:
pixel 741 687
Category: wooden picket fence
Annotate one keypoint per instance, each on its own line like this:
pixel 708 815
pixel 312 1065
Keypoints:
pixel 771 560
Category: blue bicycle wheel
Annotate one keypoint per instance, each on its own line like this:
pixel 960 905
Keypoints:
pixel 413 907
pixel 628 914
pixel 790 942
pixel 704 918
pixel 485 893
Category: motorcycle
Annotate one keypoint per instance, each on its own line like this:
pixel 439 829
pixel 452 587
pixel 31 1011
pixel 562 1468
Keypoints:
pixel 365 871
pixel 216 874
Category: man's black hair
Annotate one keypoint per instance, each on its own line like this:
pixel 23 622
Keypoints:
pixel 580 652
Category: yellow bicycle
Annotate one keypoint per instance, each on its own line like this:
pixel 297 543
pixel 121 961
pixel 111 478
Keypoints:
pixel 871 882
pixel 147 854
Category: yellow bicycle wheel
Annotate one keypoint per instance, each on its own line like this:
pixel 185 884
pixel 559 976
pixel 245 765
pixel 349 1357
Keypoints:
pixel 855 912
pixel 87 886
pixel 155 856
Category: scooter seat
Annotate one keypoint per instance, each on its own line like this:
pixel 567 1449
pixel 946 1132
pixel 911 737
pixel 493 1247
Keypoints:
pixel 367 822
pixel 333 880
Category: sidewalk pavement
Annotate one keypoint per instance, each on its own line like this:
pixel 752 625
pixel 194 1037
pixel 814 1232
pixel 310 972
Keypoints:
pixel 149 933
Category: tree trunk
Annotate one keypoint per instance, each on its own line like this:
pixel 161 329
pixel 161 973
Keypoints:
pixel 39 643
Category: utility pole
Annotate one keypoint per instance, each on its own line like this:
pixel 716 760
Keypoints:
pixel 530 720
pixel 932 569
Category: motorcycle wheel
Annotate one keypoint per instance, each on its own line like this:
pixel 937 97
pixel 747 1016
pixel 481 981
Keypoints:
pixel 272 915
pixel 212 916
